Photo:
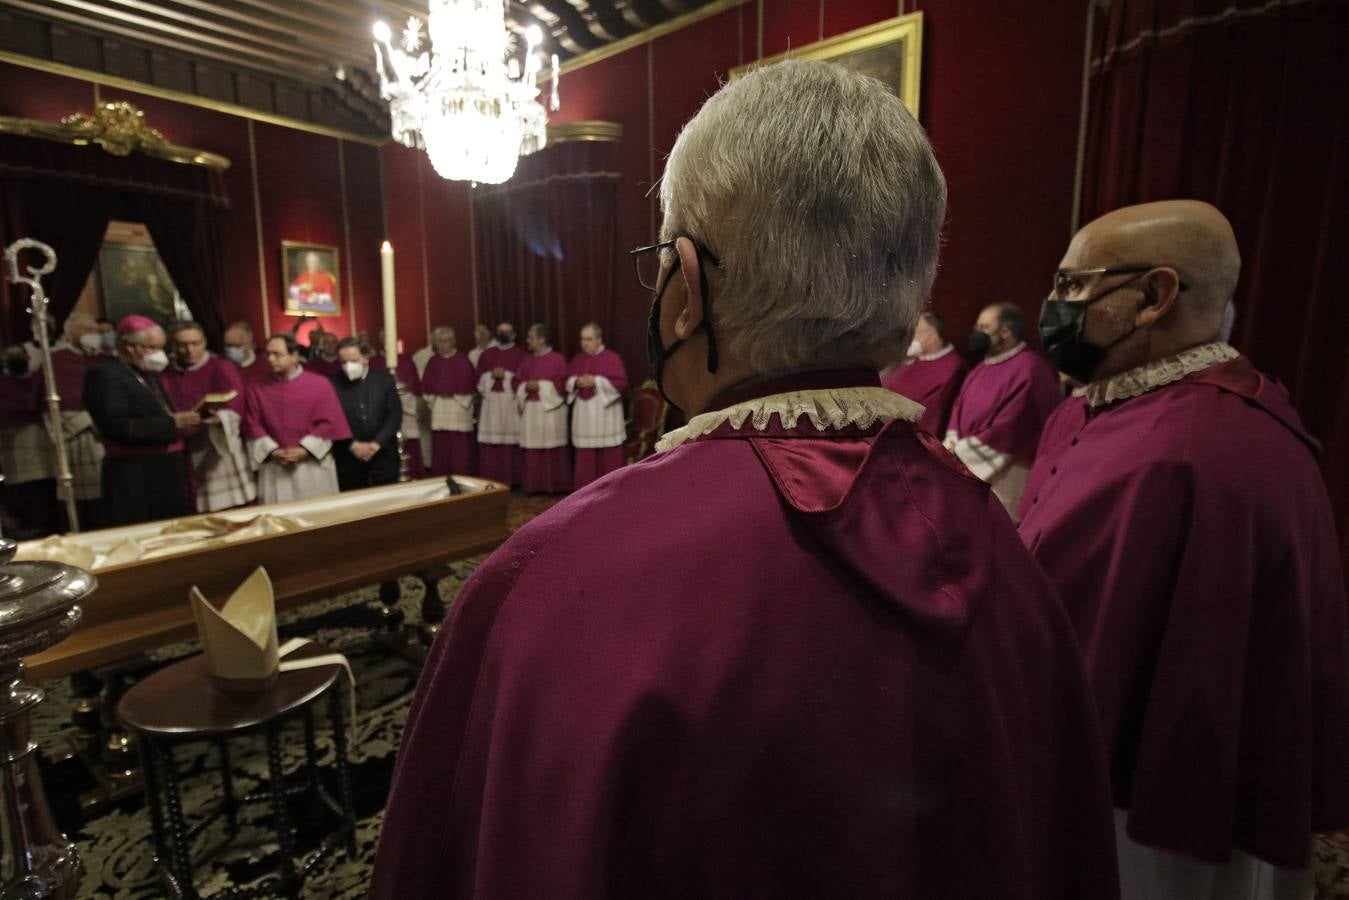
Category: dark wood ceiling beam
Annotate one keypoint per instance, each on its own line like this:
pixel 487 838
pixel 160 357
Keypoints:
pixel 156 16
pixel 139 28
pixel 577 28
pixel 335 42
pixel 190 48
pixel 609 18
pixel 649 11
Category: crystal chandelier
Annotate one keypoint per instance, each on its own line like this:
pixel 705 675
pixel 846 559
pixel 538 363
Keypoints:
pixel 462 97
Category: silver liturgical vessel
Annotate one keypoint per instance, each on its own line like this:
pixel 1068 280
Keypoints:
pixel 38 608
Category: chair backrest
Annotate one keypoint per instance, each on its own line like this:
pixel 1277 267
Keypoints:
pixel 649 410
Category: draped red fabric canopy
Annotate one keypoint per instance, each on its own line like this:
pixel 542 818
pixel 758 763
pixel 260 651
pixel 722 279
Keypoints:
pixel 1244 104
pixel 545 242
pixel 64 195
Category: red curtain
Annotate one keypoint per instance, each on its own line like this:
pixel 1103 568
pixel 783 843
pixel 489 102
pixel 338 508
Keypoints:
pixel 545 242
pixel 1244 104
pixel 64 196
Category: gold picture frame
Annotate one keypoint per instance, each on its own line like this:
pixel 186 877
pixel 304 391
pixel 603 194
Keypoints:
pixel 310 283
pixel 890 51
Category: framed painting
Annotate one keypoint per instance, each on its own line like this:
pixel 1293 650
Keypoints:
pixel 133 280
pixel 310 285
pixel 890 51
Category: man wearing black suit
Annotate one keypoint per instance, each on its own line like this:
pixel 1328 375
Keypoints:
pixel 374 412
pixel 144 471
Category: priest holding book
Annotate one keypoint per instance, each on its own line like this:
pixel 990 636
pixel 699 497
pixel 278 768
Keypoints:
pixel 290 422
pixel 218 470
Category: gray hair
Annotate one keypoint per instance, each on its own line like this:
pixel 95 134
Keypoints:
pixel 242 326
pixel 595 327
pixel 820 195
pixel 441 329
pixel 79 318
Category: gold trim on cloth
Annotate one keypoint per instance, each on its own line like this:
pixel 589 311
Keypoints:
pixel 119 128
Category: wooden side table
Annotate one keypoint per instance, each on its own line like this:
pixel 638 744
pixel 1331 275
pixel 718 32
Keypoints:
pixel 180 704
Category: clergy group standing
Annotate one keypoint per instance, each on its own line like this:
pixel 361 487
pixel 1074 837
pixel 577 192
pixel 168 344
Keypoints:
pixel 802 653
pixel 931 374
pixel 1177 507
pixel 540 390
pixel 448 386
pixel 596 381
pixel 291 421
pixel 1004 401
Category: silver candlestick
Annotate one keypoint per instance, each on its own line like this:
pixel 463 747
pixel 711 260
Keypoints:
pixel 38 608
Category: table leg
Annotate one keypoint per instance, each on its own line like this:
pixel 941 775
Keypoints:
pixel 311 755
pixel 179 843
pixel 229 802
pixel 280 815
pixel 336 714
pixel 433 608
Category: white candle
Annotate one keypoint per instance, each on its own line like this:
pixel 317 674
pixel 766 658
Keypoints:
pixel 390 311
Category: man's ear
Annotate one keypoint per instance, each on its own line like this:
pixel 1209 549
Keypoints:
pixel 690 269
pixel 1161 287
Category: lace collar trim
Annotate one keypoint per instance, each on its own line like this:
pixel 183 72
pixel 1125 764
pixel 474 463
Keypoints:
pixel 936 354
pixel 830 408
pixel 1158 373
pixel 1003 357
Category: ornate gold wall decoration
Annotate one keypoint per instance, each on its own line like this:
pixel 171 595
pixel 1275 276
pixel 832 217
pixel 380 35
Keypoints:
pixel 119 128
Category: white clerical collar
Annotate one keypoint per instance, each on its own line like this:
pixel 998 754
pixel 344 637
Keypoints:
pixel 936 354
pixel 446 355
pixel 1158 373
pixel 828 408
pixel 1003 357
pixel 249 358
pixel 296 373
pixel 204 360
pixel 597 352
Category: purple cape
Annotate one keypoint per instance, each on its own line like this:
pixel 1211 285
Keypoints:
pixel 1005 405
pixel 288 410
pixel 549 367
pixel 781 663
pixel 1189 534
pixel 447 376
pixel 69 367
pixel 216 376
pixel 606 363
pixel 933 383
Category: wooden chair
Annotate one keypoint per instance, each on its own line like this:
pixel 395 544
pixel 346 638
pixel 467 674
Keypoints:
pixel 647 422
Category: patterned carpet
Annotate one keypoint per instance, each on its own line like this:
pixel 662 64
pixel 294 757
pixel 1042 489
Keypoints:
pixel 116 849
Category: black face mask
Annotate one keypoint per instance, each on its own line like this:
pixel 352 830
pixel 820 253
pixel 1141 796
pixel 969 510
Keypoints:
pixel 504 338
pixel 16 366
pixel 657 353
pixel 979 344
pixel 1061 324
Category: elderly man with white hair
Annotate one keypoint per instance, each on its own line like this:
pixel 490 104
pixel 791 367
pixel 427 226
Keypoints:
pixel 144 470
pixel 73 356
pixel 798 652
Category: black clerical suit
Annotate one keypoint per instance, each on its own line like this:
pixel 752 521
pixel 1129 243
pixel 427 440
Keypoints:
pixel 374 413
pixel 144 470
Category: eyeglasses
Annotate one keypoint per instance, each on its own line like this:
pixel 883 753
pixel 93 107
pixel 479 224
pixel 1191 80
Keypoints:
pixel 651 261
pixel 1068 280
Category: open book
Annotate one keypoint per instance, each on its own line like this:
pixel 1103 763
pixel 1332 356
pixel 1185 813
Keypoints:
pixel 212 402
